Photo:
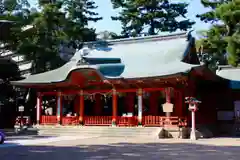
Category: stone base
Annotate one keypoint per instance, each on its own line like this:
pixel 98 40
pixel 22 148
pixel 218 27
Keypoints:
pixel 193 135
pixel 114 124
pixel 81 123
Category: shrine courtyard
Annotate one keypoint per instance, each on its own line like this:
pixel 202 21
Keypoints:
pixel 127 149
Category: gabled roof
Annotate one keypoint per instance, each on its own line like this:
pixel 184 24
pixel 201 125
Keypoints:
pixel 130 58
pixel 228 72
pixel 232 74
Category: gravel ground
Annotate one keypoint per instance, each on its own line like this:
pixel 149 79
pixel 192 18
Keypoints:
pixel 127 149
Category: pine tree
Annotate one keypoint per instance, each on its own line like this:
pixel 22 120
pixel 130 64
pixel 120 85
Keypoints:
pixel 156 15
pixel 229 14
pixel 210 16
pixel 80 13
pixel 222 39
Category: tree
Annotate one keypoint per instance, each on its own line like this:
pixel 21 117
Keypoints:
pixel 8 71
pixel 80 13
pixel 106 35
pixel 51 28
pixel 229 14
pixel 211 47
pixel 40 43
pixel 156 15
pixel 210 16
pixel 222 39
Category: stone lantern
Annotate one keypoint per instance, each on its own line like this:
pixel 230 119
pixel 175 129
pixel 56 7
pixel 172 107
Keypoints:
pixel 193 107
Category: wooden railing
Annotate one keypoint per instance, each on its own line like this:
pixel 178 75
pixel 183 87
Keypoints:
pixel 73 120
pixel 156 121
pixel 147 121
pixel 97 120
pixel 127 121
pixel 49 120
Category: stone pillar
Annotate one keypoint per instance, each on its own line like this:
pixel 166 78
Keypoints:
pixel 39 108
pixel 81 109
pixel 140 107
pixel 114 108
pixel 59 108
pixel 193 130
pixel 98 105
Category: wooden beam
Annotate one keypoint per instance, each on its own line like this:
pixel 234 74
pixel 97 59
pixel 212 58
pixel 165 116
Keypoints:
pixel 100 91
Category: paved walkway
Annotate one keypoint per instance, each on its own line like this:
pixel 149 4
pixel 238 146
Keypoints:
pixel 88 148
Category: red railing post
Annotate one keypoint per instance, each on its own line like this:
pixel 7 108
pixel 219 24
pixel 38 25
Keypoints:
pixel 114 105
pixel 81 110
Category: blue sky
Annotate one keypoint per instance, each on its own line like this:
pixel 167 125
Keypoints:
pixel 106 11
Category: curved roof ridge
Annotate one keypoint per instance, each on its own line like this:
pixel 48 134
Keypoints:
pixel 141 39
pixel 220 67
pixel 146 38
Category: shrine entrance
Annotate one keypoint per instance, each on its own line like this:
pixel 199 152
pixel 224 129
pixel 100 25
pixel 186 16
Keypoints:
pixel 127 108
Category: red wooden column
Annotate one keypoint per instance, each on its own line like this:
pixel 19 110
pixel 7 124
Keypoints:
pixel 81 109
pixel 114 107
pixel 179 100
pixel 39 108
pixel 129 102
pixel 59 107
pixel 76 104
pixel 98 105
pixel 154 103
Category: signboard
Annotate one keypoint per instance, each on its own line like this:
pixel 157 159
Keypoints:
pixel 21 108
pixel 167 107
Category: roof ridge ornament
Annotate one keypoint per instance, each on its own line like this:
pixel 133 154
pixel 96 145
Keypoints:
pixel 189 35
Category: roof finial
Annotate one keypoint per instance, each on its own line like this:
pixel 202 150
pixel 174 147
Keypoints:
pixel 189 35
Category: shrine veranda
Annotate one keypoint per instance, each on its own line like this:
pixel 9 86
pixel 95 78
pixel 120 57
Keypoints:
pixel 126 82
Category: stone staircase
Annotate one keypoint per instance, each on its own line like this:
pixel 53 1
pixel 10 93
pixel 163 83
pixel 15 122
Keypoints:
pixel 100 131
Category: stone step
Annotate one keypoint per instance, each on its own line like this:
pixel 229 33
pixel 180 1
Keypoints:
pixel 105 131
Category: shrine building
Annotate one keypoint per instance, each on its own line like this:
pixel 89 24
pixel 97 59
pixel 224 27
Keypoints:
pixel 126 82
pixel 232 97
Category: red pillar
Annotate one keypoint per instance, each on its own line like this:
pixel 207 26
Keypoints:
pixel 168 95
pixel 129 102
pixel 98 107
pixel 76 104
pixel 114 109
pixel 81 109
pixel 154 103
pixel 179 100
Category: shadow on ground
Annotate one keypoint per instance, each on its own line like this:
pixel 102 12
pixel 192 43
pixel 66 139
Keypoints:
pixel 28 137
pixel 122 151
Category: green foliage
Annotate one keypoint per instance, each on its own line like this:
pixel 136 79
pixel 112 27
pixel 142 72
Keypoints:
pixel 223 37
pixel 8 70
pixel 80 13
pixel 210 15
pixel 156 15
pixel 57 23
